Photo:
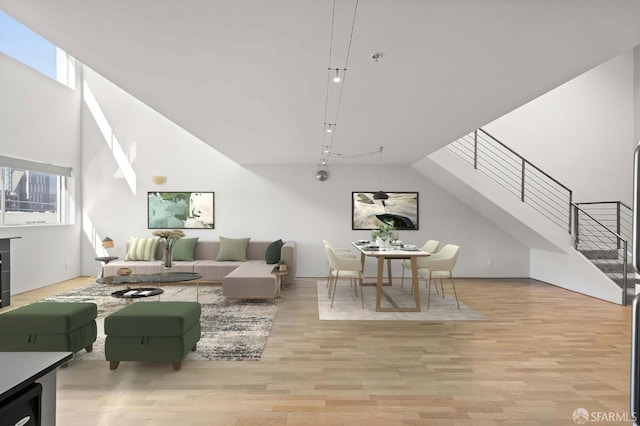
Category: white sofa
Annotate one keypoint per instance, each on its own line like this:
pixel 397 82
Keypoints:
pixel 250 279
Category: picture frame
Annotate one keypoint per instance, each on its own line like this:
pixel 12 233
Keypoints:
pixel 180 210
pixel 401 210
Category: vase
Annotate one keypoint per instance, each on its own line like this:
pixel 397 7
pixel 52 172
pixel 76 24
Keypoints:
pixel 167 258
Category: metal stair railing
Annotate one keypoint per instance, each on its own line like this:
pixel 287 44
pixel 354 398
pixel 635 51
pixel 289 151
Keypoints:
pixel 597 242
pixel 517 175
pixel 615 215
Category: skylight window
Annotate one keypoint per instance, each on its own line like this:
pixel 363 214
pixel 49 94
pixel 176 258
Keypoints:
pixel 24 45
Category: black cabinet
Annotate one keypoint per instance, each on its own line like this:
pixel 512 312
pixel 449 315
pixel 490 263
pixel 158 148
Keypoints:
pixel 5 271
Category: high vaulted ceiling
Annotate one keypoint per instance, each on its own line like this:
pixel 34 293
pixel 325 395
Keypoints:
pixel 249 77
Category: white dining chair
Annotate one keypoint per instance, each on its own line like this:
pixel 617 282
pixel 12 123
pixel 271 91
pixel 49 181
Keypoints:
pixel 430 247
pixel 343 267
pixel 440 266
pixel 340 252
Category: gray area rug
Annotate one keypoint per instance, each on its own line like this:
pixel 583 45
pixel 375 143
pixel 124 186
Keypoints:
pixel 347 307
pixel 233 330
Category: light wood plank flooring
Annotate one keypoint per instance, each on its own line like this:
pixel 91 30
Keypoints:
pixel 542 353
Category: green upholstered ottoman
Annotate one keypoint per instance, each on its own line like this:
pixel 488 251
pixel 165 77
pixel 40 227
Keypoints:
pixel 152 331
pixel 49 327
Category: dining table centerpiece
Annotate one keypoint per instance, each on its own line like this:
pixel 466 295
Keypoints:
pixel 384 232
pixel 168 240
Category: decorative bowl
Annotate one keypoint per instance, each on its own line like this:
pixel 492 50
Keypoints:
pixel 124 271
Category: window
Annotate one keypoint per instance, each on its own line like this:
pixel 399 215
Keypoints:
pixel 22 44
pixel 32 192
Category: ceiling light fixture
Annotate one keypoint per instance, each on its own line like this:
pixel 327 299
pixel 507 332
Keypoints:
pixel 380 195
pixel 336 78
pixel 337 75
pixel 322 175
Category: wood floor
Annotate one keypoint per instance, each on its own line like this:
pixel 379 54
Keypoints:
pixel 542 353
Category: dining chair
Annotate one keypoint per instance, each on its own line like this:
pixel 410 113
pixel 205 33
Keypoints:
pixel 430 246
pixel 340 252
pixel 439 267
pixel 343 267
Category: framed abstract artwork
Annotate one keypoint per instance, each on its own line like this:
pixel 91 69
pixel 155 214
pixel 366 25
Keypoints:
pixel 400 210
pixel 180 210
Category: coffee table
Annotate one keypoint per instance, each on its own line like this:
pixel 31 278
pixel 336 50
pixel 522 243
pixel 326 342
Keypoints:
pixel 166 277
pixel 137 293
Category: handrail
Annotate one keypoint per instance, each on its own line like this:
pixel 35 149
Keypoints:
pixel 517 175
pixel 613 214
pixel 618 237
pixel 527 161
pixel 605 202
pixel 600 223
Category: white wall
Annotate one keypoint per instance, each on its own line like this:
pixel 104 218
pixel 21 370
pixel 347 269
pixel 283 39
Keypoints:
pixel 580 133
pixel 265 202
pixel 636 96
pixel 40 121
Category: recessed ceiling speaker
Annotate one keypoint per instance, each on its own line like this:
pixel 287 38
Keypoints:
pixel 322 175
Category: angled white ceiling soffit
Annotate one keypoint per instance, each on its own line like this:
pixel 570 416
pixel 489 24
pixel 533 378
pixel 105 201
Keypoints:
pixel 249 77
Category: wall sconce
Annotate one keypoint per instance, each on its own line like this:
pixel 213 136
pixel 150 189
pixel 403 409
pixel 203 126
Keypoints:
pixel 158 180
pixel 107 243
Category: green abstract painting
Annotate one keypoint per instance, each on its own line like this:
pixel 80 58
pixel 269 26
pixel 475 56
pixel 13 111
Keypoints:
pixel 180 210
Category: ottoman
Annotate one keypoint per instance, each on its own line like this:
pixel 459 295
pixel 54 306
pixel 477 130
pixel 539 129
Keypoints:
pixel 49 327
pixel 152 331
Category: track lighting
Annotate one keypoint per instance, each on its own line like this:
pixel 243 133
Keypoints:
pixel 337 75
pixel 337 78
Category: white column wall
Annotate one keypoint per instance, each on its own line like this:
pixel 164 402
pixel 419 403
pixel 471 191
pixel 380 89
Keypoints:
pixel 40 121
pixel 636 96
pixel 263 202
pixel 580 133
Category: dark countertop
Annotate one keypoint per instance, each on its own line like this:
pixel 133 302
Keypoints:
pixel 19 369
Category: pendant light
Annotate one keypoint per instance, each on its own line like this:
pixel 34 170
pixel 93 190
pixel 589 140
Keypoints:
pixel 380 195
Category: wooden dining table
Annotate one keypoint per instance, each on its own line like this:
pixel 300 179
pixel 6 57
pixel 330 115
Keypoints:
pixel 389 254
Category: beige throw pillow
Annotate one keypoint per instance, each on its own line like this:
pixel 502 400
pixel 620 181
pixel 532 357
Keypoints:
pixel 142 248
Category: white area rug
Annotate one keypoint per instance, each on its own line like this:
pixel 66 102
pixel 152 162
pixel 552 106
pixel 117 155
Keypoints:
pixel 347 307
pixel 232 330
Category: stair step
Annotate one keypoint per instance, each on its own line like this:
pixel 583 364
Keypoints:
pixel 599 254
pixel 612 267
pixel 631 282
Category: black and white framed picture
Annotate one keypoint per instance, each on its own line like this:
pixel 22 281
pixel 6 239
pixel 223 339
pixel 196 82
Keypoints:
pixel 399 210
pixel 180 210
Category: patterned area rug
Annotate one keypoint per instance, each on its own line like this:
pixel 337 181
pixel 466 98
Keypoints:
pixel 347 307
pixel 232 330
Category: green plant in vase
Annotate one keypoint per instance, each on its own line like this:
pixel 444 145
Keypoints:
pixel 384 232
pixel 282 266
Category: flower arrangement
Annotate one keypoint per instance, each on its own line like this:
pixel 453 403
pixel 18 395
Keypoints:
pixel 384 230
pixel 168 240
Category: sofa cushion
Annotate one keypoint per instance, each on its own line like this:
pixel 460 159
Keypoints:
pixel 233 249
pixel 184 248
pixel 48 318
pixel 272 255
pixel 253 279
pixel 172 318
pixel 142 248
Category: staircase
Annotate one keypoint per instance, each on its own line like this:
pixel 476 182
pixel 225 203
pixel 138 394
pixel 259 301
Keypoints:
pixel 580 247
pixel 603 235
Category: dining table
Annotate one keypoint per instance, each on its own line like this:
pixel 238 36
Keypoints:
pixel 389 254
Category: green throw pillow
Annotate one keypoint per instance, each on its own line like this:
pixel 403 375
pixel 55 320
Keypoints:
pixel 233 249
pixel 183 249
pixel 142 248
pixel 272 255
